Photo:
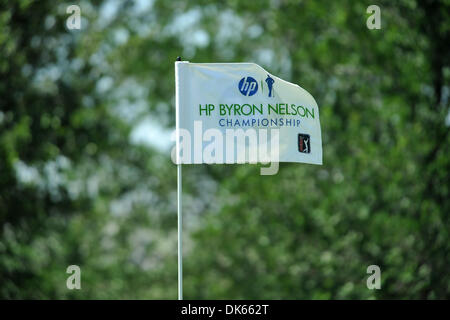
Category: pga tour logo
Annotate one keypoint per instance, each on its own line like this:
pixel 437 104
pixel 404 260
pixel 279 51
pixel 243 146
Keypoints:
pixel 304 144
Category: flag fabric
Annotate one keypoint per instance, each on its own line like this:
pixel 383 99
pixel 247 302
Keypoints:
pixel 238 112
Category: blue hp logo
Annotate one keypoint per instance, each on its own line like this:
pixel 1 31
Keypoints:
pixel 248 86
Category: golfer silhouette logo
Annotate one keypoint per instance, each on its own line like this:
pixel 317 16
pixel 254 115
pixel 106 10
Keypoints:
pixel 270 82
pixel 304 143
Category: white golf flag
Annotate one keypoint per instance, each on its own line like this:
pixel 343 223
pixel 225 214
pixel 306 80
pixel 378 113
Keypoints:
pixel 238 112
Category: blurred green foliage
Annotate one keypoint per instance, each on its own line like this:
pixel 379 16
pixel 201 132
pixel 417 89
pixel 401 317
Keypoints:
pixel 76 188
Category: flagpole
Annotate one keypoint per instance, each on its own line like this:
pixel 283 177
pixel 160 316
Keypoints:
pixel 179 214
pixel 180 234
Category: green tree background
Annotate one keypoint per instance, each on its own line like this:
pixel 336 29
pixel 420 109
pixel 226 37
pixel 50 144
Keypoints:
pixel 86 176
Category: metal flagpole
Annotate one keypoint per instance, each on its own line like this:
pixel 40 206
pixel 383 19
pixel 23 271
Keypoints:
pixel 180 235
pixel 180 217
